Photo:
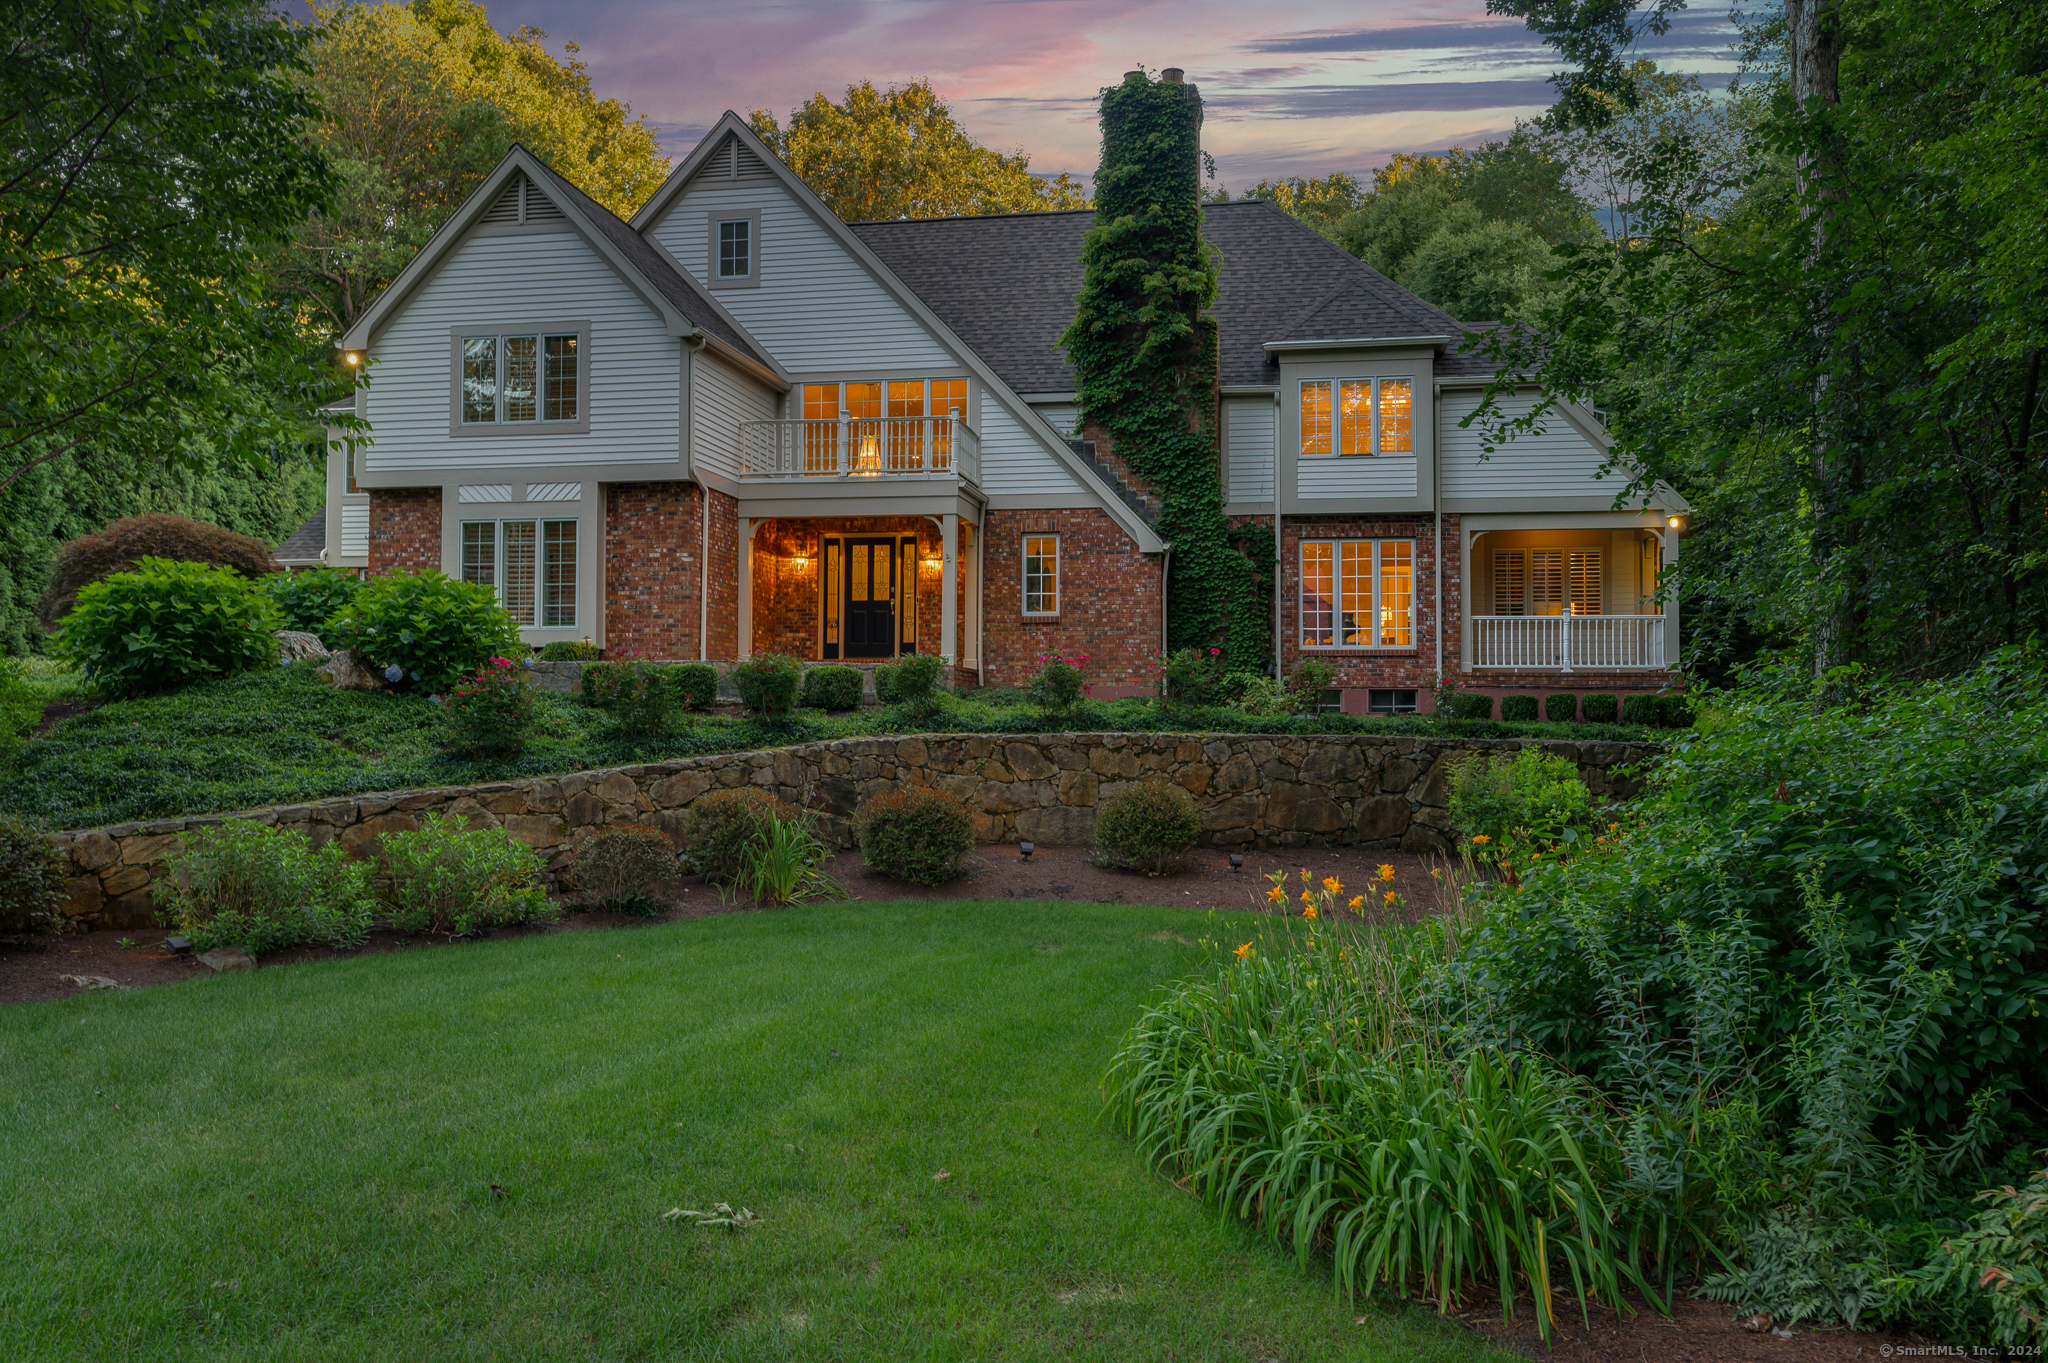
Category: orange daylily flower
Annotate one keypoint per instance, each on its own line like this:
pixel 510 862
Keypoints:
pixel 1309 912
pixel 1243 953
pixel 1386 872
pixel 1357 903
pixel 1277 895
pixel 1481 838
pixel 1332 884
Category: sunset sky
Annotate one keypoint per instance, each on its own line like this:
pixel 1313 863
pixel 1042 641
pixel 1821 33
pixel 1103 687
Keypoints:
pixel 1300 89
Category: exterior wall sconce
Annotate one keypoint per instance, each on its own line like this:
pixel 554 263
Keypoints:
pixel 352 358
pixel 1676 522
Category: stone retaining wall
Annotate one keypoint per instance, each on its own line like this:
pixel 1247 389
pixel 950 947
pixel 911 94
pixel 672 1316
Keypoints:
pixel 1254 791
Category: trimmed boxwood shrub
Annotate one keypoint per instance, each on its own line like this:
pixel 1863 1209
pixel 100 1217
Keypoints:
pixel 641 696
pixel 310 597
pixel 617 866
pixel 1599 707
pixel 1641 708
pixel 167 625
pixel 1472 705
pixel 768 683
pixel 1673 711
pixel 919 835
pixel 1518 709
pixel 1561 707
pixel 914 681
pixel 833 688
pixel 570 651
pixel 723 824
pixel 1146 827
pixel 425 629
pixel 696 685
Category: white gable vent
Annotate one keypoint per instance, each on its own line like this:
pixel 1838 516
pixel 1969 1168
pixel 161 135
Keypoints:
pixel 523 201
pixel 554 492
pixel 506 209
pixel 745 162
pixel 539 207
pixel 485 492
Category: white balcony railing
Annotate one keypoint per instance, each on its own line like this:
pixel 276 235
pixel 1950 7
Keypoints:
pixel 868 447
pixel 1567 643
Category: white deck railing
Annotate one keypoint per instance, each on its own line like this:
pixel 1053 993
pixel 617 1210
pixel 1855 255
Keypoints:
pixel 878 447
pixel 1567 643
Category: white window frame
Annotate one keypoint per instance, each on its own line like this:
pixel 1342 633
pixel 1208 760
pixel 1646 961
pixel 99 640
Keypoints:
pixel 1374 561
pixel 544 566
pixel 462 428
pixel 1375 440
pixel 1057 585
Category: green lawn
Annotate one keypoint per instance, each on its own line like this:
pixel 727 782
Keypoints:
pixel 298 1164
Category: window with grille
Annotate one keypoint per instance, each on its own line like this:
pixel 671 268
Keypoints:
pixel 898 425
pixel 736 248
pixel 1357 417
pixel 531 564
pixel 514 380
pixel 1357 593
pixel 1041 574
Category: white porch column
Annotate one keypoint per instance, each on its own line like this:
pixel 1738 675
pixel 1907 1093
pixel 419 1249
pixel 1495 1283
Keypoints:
pixel 949 588
pixel 1669 540
pixel 746 590
pixel 1465 539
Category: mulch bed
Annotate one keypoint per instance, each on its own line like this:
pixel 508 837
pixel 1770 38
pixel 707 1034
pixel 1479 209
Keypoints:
pixel 1696 1331
pixel 32 970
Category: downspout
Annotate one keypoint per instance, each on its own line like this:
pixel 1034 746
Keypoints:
pixel 1279 411
pixel 1436 501
pixel 691 346
pixel 1165 579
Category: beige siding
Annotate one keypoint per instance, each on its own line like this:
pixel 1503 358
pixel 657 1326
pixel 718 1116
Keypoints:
pixel 1384 475
pixel 1016 463
pixel 1061 416
pixel 630 373
pixel 1248 448
pixel 721 398
pixel 1558 463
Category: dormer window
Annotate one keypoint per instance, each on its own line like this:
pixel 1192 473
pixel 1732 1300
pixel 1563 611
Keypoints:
pixel 736 248
pixel 1357 417
pixel 516 379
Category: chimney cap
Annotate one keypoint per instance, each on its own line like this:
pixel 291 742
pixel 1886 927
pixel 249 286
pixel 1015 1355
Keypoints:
pixel 1171 75
pixel 1137 72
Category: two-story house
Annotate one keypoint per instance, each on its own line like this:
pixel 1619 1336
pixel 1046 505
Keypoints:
pixel 739 424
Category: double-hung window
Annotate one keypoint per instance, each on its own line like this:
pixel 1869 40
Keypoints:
pixel 515 380
pixel 1358 593
pixel 1041 574
pixel 531 564
pixel 1357 416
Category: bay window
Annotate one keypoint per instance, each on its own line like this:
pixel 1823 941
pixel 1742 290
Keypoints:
pixel 1357 594
pixel 530 564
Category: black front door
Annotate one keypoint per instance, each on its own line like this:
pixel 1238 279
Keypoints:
pixel 871 598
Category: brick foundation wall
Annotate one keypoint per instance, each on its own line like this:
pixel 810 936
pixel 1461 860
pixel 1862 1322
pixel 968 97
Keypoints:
pixel 653 569
pixel 1109 600
pixel 405 529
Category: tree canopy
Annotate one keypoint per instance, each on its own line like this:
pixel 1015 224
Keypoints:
pixel 900 153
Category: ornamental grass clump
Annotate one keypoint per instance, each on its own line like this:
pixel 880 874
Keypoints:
pixel 166 625
pixel 618 867
pixel 1146 827
pixel 918 835
pixel 455 881
pixel 262 889
pixel 491 713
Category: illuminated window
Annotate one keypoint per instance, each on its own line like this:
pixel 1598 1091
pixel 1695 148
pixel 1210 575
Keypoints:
pixel 1315 417
pixel 519 379
pixel 1041 574
pixel 530 564
pixel 1354 419
pixel 1397 416
pixel 948 400
pixel 1544 581
pixel 1357 593
pixel 1372 416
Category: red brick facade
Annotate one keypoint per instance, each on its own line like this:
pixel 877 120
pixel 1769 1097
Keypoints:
pixel 1411 667
pixel 405 529
pixel 725 576
pixel 788 593
pixel 1109 600
pixel 653 568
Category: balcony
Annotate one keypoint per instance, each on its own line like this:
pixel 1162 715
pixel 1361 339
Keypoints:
pixel 868 447
pixel 1566 643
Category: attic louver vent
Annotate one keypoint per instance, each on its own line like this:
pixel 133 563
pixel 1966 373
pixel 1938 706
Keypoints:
pixel 745 162
pixel 506 209
pixel 540 208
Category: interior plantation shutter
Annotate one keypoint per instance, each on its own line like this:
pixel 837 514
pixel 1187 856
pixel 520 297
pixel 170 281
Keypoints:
pixel 1546 581
pixel 1586 579
pixel 1510 582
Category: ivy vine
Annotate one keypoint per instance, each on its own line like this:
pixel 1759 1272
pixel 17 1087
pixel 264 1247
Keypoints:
pixel 1144 353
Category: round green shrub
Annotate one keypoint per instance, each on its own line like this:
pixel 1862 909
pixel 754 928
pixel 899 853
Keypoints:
pixel 833 688
pixel 426 629
pixel 1599 707
pixel 1059 687
pixel 1472 705
pixel 723 824
pixel 618 866
pixel 1674 711
pixel 1308 689
pixel 1518 709
pixel 915 681
pixel 919 835
pixel 697 686
pixel 31 876
pixel 168 625
pixel 1641 708
pixel 311 597
pixel 641 696
pixel 768 683
pixel 885 684
pixel 1561 707
pixel 1146 827
pixel 448 879
pixel 1193 677
pixel 490 714
pixel 570 651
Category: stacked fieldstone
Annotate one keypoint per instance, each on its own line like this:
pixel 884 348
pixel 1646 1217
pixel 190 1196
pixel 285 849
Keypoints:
pixel 1309 791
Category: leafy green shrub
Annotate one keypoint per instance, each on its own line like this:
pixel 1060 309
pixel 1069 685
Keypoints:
pixel 767 683
pixel 1600 707
pixel 639 695
pixel 914 682
pixel 168 625
pixel 618 866
pixel 1309 685
pixel 310 597
pixel 1059 685
pixel 1535 797
pixel 1146 827
pixel 570 651
pixel 919 835
pixel 1641 708
pixel 425 629
pixel 1518 709
pixel 1561 707
pixel 833 688
pixel 1193 676
pixel 885 683
pixel 696 686
pixel 31 876
pixel 1264 696
pixel 490 714
pixel 21 706
pixel 243 884
pixel 1471 705
pixel 1674 711
pixel 445 878
pixel 722 824
pixel 1996 1268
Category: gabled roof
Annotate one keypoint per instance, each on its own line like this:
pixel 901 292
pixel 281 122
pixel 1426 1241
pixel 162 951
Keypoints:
pixel 1007 284
pixel 306 544
pixel 684 306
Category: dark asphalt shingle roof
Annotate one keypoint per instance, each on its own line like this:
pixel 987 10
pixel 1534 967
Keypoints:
pixel 1006 285
pixel 681 292
pixel 307 543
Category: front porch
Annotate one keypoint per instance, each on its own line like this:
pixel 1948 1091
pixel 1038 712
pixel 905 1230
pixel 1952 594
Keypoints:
pixel 861 590
pixel 1568 601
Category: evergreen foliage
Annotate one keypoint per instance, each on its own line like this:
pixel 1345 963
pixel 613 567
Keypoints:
pixel 1144 353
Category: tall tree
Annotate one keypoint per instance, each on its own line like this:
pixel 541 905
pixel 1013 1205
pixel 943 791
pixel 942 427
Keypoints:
pixel 152 158
pixel 900 153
